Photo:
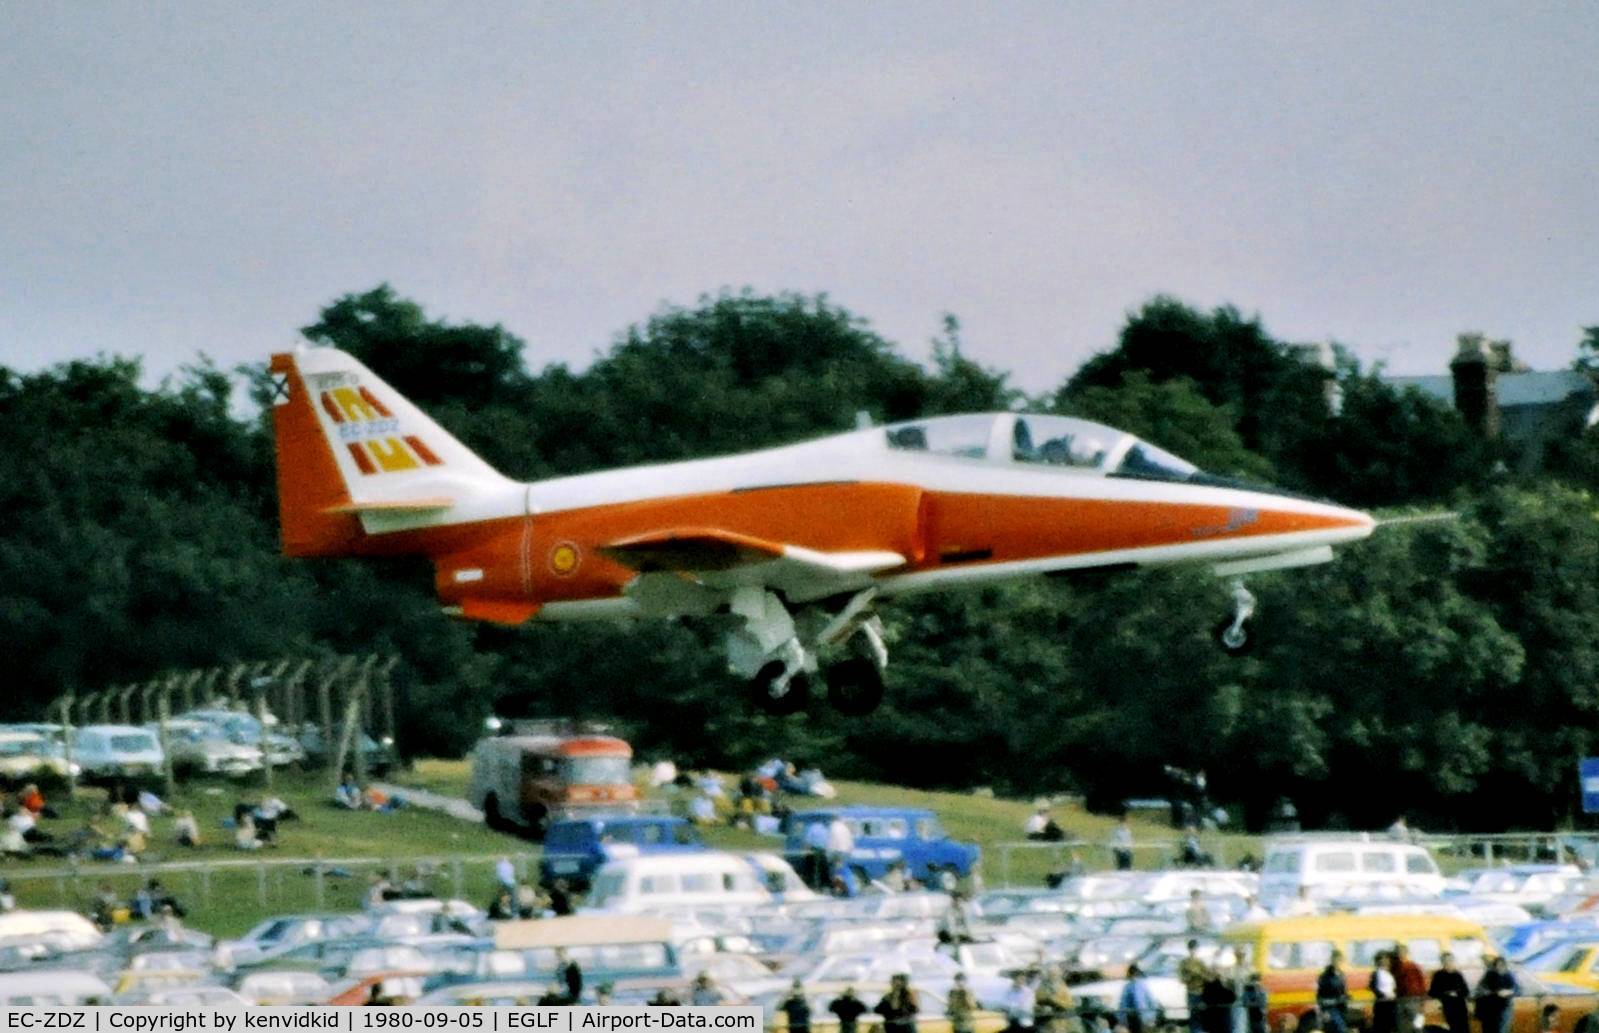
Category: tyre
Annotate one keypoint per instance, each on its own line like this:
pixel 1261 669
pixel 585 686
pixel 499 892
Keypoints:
pixel 491 813
pixel 854 686
pixel 792 700
pixel 1234 643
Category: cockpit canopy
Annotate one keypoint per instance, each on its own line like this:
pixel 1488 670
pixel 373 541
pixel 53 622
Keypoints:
pixel 1061 441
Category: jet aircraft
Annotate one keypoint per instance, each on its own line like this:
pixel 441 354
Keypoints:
pixel 794 547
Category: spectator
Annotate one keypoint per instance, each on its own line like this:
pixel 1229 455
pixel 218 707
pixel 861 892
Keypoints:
pixel 136 819
pixel 702 810
pixel 1449 989
pixel 1217 999
pixel 560 898
pixel 503 908
pixel 1121 846
pixel 1192 973
pixel 12 843
pixel 1384 991
pixel 849 1009
pixel 27 827
pixel 899 1006
pixel 1053 1005
pixel 1255 1003
pixel 602 995
pixel 244 836
pixel 665 997
pixel 505 873
pixel 1018 1004
pixel 796 1009
pixel 569 973
pixel 1410 988
pixel 1332 995
pixel 1253 912
pixel 375 799
pixel 894 879
pixel 961 1006
pixel 105 907
pixel 555 996
pixel 1137 1007
pixel 1033 827
pixel 1496 992
pixel 151 803
pixel 1549 1019
pixel 378 891
pixel 186 830
pixel 1194 855
pixel 31 800
pixel 347 794
pixel 8 901
pixel 1399 830
pixel 820 873
pixel 1198 915
pixel 1300 906
pixel 704 993
pixel 840 844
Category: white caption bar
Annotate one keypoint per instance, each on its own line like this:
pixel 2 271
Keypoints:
pixel 360 1020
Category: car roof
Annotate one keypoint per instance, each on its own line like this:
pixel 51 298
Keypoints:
pixel 1309 926
pixel 865 811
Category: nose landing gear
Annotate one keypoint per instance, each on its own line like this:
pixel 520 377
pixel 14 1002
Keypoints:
pixel 1231 634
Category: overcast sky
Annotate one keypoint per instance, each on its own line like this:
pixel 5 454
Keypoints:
pixel 203 177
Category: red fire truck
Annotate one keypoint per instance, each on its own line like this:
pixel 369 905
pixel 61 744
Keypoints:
pixel 548 770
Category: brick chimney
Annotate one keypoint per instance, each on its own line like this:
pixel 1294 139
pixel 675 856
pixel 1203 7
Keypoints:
pixel 1475 369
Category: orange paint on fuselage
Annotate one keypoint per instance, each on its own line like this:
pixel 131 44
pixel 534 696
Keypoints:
pixel 932 529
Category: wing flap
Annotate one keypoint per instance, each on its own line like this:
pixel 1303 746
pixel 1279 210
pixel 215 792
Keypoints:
pixel 433 505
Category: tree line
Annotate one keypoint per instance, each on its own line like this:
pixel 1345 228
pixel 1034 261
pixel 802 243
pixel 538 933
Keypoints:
pixel 1448 670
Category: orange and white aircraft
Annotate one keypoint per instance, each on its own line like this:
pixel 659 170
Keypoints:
pixel 795 546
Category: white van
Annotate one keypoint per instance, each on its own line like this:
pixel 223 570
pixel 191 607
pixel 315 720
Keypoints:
pixel 116 751
pixel 710 879
pixel 1356 868
pixel 61 930
pixel 52 988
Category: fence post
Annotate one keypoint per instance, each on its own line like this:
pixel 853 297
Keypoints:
pixel 164 702
pixel 65 703
pixel 458 878
pixel 321 887
pixel 260 883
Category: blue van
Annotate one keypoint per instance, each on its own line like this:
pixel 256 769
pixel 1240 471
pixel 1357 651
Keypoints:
pixel 884 835
pixel 575 848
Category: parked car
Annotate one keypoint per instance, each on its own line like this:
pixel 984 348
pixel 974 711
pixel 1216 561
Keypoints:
pixel 245 729
pixel 25 756
pixel 378 757
pixel 886 835
pixel 575 848
pixel 712 878
pixel 1354 868
pixel 199 747
pixel 116 751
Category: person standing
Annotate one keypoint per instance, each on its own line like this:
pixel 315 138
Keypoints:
pixel 899 1006
pixel 960 1006
pixel 1198 915
pixel 1218 999
pixel 1255 1003
pixel 849 1009
pixel 1496 994
pixel 818 874
pixel 1137 1005
pixel 1053 1005
pixel 1384 993
pixel 1018 1005
pixel 1192 972
pixel 1449 989
pixel 796 1009
pixel 1410 988
pixel 1332 995
pixel 1121 844
pixel 840 845
pixel 570 974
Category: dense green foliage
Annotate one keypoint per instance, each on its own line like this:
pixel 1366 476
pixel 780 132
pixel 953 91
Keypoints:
pixel 1450 669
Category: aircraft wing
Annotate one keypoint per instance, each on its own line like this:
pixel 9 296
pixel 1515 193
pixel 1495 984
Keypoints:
pixel 722 559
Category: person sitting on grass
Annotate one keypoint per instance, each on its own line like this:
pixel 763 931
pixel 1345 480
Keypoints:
pixel 348 793
pixel 186 830
pixel 244 834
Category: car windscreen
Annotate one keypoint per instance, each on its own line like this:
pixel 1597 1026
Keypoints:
pixel 131 743
pixel 598 771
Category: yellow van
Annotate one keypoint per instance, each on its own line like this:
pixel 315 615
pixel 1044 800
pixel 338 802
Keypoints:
pixel 1289 953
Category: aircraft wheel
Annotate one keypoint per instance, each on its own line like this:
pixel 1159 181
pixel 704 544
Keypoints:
pixel 854 686
pixel 1234 641
pixel 797 693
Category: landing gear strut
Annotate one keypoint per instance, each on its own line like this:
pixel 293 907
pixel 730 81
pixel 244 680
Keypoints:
pixel 768 649
pixel 1231 634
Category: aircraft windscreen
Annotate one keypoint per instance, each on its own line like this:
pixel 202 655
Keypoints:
pixel 1062 441
pixel 965 436
pixel 1145 460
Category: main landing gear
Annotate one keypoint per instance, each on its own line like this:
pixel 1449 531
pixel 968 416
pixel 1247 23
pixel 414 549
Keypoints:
pixel 769 649
pixel 1231 634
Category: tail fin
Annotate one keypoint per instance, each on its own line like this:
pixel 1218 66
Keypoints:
pixel 356 459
